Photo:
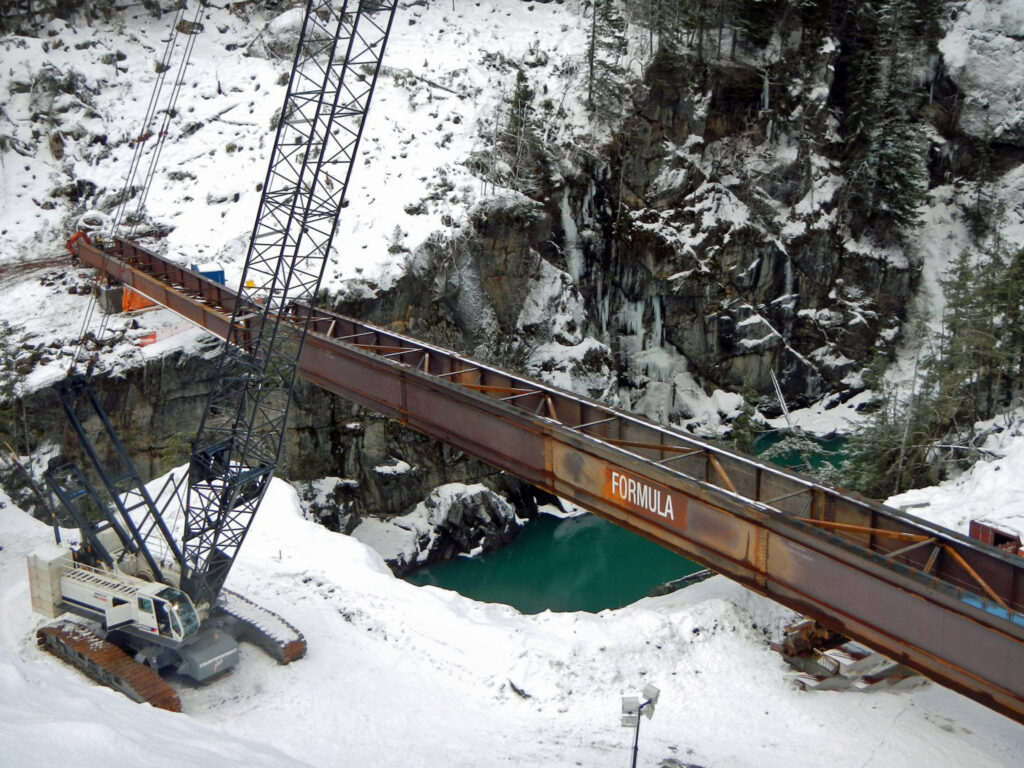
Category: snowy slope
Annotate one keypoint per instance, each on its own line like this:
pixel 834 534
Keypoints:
pixel 993 491
pixel 447 70
pixel 397 674
pixel 445 73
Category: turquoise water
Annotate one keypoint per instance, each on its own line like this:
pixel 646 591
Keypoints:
pixel 586 563
pixel 561 564
pixel 800 451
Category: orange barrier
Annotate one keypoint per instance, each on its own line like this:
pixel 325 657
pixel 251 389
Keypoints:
pixel 133 300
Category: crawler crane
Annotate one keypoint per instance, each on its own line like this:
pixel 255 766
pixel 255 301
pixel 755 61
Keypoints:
pixel 155 603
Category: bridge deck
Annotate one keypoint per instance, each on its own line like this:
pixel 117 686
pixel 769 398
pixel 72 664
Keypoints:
pixel 938 601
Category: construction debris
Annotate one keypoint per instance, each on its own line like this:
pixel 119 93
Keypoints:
pixel 827 661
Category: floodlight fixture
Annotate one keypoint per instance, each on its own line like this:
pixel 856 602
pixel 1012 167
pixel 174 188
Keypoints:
pixel 633 707
pixel 650 694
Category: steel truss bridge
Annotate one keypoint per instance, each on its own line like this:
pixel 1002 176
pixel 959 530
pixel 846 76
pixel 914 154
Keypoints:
pixel 946 605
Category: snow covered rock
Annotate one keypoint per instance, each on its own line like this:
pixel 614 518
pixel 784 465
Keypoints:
pixel 984 39
pixel 279 37
pixel 454 519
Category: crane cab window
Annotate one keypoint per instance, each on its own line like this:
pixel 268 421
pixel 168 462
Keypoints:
pixel 175 625
pixel 183 614
pixel 163 620
pixel 145 605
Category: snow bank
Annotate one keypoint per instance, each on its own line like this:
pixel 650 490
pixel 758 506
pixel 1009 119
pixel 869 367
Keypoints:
pixel 424 677
pixel 50 716
pixel 992 491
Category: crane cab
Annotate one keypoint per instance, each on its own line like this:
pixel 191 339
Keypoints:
pixel 168 613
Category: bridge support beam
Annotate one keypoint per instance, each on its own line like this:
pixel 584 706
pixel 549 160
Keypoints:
pixel 958 617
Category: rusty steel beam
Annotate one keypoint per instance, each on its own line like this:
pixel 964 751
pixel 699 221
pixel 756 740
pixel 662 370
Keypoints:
pixel 958 618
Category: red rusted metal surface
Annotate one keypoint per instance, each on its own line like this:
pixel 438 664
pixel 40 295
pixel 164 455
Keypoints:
pixel 921 594
pixel 989 534
pixel 107 664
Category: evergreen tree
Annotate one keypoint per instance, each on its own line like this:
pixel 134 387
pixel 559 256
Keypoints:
pixel 665 21
pixel 1013 328
pixel 884 142
pixel 891 452
pixel 813 16
pixel 984 209
pixel 606 83
pixel 973 373
pixel 745 428
pixel 755 20
pixel 898 167
pixel 972 364
pixel 515 156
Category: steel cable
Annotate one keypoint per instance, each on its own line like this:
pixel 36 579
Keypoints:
pixel 146 133
pixel 169 112
pixel 163 67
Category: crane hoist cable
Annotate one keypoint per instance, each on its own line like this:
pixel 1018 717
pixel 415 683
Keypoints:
pixel 140 141
pixel 148 130
pixel 168 114
pixel 86 322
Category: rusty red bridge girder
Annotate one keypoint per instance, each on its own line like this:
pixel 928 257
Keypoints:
pixel 943 604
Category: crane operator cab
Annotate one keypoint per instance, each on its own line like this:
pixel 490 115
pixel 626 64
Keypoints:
pixel 167 625
pixel 168 613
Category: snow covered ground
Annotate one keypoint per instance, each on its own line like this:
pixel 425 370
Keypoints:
pixel 398 674
pixel 418 676
pixel 446 72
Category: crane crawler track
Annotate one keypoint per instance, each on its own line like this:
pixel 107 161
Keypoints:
pixel 262 627
pixel 107 664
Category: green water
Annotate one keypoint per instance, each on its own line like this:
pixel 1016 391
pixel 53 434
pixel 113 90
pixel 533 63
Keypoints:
pixel 573 564
pixel 800 451
pixel 586 563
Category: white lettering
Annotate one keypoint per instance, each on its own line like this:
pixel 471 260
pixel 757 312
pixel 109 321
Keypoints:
pixel 641 495
pixel 617 483
pixel 216 659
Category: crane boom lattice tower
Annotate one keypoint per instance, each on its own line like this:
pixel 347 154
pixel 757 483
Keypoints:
pixel 336 67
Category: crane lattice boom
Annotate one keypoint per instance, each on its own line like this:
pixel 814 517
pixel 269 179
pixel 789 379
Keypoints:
pixel 236 450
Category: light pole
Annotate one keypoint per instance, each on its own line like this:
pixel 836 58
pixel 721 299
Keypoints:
pixel 632 708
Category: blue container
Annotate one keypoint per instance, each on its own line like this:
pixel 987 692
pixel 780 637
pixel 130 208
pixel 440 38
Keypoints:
pixel 217 275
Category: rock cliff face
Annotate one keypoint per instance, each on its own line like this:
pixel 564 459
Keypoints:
pixel 724 235
pixel 711 236
pixel 728 246
pixel 664 269
pixel 382 469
